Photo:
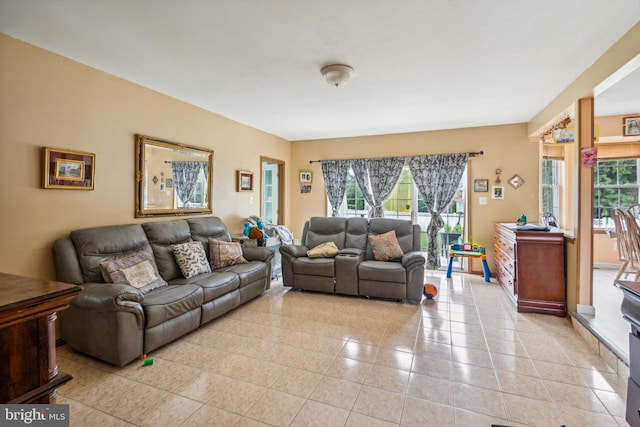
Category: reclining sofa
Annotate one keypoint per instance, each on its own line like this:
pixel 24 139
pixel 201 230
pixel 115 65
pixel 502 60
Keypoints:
pixel 117 322
pixel 354 270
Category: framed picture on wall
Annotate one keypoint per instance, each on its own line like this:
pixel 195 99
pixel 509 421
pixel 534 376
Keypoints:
pixel 244 181
pixel 480 185
pixel 305 177
pixel 67 169
pixel 631 126
pixel 497 192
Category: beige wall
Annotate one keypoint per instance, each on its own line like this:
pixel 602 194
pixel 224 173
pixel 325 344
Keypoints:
pixel 505 147
pixel 48 100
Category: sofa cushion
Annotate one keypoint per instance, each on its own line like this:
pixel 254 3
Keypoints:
pixel 223 254
pixel 191 258
pixel 323 229
pixel 404 230
pixel 99 244
pixel 161 235
pixel 206 227
pixel 248 273
pixel 216 283
pixel 385 247
pixel 382 271
pixel 171 301
pixel 314 266
pixel 323 250
pixel 138 270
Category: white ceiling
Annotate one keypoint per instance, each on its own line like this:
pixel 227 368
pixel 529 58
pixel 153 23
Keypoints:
pixel 420 64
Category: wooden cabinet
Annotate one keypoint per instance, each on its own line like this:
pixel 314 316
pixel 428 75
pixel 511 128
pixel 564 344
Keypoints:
pixel 530 267
pixel 28 366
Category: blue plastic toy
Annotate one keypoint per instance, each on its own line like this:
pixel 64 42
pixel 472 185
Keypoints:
pixel 247 228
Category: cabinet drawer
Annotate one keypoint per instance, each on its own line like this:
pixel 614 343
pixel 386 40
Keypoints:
pixel 505 261
pixel 505 245
pixel 506 279
pixel 633 404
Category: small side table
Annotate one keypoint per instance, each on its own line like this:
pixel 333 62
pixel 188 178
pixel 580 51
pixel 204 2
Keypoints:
pixel 456 251
pixel 28 367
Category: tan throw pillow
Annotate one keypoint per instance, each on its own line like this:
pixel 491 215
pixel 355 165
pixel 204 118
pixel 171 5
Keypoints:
pixel 138 270
pixel 191 258
pixel 224 254
pixel 324 250
pixel 385 246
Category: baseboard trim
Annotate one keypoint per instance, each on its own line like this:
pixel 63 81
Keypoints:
pixel 586 310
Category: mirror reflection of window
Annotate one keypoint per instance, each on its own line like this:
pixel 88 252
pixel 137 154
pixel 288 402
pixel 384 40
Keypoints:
pixel 166 173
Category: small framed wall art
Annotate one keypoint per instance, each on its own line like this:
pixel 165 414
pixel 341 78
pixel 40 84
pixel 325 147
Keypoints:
pixel 67 169
pixel 497 192
pixel 305 177
pixel 516 181
pixel 244 181
pixel 480 185
pixel 631 126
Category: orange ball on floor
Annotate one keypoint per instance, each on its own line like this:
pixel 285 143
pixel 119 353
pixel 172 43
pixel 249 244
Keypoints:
pixel 430 290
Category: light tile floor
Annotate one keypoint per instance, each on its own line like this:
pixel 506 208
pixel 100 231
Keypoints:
pixel 608 322
pixel 293 358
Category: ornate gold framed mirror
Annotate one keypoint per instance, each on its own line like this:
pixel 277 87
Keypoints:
pixel 172 179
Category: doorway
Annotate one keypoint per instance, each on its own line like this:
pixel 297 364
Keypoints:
pixel 272 190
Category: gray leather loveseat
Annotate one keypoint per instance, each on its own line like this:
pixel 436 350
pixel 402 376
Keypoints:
pixel 354 270
pixel 117 322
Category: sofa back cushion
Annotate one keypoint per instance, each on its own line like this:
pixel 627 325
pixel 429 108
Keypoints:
pixel 161 236
pixel 325 229
pixel 357 230
pixel 206 227
pixel 405 233
pixel 100 244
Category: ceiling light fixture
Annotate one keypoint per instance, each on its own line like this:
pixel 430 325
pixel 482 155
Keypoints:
pixel 337 74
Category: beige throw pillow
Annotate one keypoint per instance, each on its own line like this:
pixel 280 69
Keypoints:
pixel 324 250
pixel 385 246
pixel 138 270
pixel 224 254
pixel 191 258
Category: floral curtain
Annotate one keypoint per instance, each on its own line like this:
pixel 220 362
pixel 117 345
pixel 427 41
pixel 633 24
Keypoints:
pixel 377 178
pixel 437 178
pixel 185 177
pixel 335 173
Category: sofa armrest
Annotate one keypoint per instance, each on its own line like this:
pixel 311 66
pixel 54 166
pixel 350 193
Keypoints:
pixel 109 297
pixel 346 270
pixel 412 259
pixel 289 254
pixel 351 252
pixel 258 254
pixel 414 262
pixel 294 251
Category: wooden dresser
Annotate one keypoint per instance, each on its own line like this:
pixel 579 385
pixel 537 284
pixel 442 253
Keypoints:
pixel 530 267
pixel 28 366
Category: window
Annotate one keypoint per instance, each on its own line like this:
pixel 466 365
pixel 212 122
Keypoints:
pixel 400 204
pixel 615 186
pixel 199 195
pixel 354 203
pixel 551 187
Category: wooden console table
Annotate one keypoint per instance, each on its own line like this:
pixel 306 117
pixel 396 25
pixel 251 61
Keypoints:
pixel 28 366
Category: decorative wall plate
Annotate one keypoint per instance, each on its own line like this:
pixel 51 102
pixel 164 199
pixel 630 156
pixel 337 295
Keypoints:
pixel 516 181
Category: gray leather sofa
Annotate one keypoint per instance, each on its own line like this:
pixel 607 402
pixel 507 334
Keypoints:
pixel 354 271
pixel 116 322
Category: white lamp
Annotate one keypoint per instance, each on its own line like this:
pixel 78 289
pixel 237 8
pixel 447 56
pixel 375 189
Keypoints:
pixel 337 74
